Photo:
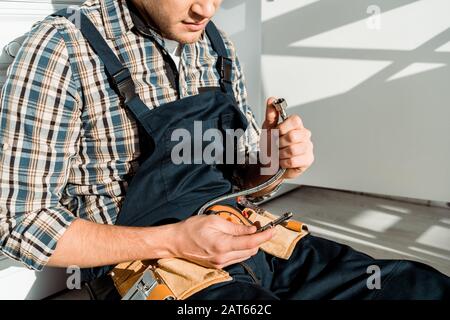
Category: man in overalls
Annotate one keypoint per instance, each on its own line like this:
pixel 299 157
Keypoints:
pixel 87 116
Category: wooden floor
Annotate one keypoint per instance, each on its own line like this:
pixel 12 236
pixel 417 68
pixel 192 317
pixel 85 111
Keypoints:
pixel 382 228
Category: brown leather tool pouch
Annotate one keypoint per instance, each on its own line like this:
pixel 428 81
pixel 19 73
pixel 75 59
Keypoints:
pixel 181 279
pixel 177 278
pixel 286 235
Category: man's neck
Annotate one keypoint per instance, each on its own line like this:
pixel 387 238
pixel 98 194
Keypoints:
pixel 137 8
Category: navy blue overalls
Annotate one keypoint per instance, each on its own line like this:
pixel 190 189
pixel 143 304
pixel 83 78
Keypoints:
pixel 163 192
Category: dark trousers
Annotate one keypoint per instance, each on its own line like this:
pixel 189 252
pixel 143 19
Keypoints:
pixel 323 269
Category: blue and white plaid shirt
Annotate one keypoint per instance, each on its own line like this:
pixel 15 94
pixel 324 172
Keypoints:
pixel 68 146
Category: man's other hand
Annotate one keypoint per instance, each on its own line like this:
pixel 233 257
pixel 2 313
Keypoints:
pixel 295 146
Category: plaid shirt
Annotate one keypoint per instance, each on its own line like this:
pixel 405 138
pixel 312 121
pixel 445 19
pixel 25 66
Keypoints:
pixel 68 147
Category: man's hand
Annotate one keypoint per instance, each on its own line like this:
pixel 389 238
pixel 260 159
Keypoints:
pixel 208 240
pixel 295 146
pixel 212 241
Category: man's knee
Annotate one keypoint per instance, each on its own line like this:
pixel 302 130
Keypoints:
pixel 415 280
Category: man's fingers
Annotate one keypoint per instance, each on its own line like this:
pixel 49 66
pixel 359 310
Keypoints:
pixel 271 119
pixel 234 257
pixel 297 162
pixel 295 136
pixel 293 122
pixel 293 173
pixel 238 243
pixel 294 150
pixel 237 229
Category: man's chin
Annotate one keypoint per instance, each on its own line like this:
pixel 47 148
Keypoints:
pixel 188 37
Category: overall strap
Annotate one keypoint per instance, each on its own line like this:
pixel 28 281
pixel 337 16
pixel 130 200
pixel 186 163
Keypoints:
pixel 118 74
pixel 224 63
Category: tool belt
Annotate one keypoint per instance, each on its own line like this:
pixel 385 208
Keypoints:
pixel 178 279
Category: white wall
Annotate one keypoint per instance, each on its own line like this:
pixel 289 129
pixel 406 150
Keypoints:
pixel 239 18
pixel 17 16
pixel 376 100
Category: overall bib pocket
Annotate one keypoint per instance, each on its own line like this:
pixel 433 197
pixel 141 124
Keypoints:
pixel 191 152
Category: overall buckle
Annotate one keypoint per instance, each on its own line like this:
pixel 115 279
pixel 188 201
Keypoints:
pixel 144 287
pixel 224 66
pixel 124 83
